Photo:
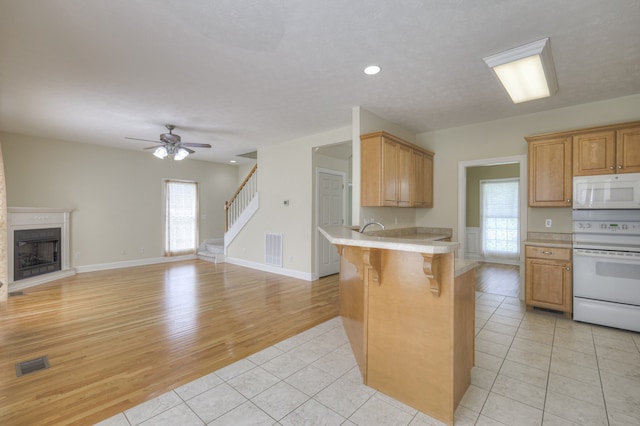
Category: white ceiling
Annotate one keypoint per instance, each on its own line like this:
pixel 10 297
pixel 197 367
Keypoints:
pixel 244 74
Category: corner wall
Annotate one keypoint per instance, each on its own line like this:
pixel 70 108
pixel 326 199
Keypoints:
pixel 285 172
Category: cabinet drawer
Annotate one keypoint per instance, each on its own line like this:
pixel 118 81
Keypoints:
pixel 554 253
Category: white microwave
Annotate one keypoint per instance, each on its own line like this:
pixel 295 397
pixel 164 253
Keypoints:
pixel 621 191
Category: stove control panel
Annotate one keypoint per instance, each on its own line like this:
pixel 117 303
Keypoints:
pixel 600 227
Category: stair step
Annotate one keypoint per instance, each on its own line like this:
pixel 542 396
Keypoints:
pixel 215 248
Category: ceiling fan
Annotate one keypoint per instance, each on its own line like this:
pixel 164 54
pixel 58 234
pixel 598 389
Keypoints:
pixel 172 145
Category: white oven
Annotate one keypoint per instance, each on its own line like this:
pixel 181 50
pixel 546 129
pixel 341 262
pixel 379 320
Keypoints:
pixel 615 191
pixel 606 267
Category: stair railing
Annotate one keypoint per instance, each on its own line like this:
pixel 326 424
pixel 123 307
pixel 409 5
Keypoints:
pixel 243 196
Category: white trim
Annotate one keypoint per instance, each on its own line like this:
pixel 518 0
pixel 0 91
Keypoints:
pixel 40 279
pixel 274 270
pixel 241 221
pixel 472 236
pixel 462 199
pixel 23 218
pixel 319 170
pixel 132 263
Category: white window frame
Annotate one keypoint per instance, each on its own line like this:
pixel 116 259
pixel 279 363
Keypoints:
pixel 165 219
pixel 507 255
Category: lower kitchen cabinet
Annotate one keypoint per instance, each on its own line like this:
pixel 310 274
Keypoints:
pixel 548 278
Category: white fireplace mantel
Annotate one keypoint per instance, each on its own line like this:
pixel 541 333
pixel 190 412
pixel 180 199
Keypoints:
pixel 20 218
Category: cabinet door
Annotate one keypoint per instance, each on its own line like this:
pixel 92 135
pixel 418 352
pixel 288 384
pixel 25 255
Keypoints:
pixel 548 284
pixel 550 177
pixel 389 172
pixel 628 150
pixel 594 154
pixel 418 179
pixel 428 180
pixel 405 175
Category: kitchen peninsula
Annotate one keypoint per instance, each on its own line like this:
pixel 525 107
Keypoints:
pixel 408 308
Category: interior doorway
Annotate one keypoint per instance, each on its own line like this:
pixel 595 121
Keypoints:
pixel 463 237
pixel 331 186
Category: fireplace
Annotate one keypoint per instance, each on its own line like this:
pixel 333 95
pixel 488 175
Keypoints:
pixel 39 246
pixel 36 252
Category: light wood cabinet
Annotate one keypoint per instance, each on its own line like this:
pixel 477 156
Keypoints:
pixel 594 153
pixel 556 157
pixel 609 152
pixel 550 178
pixel 548 278
pixel 423 179
pixel 394 172
pixel 628 149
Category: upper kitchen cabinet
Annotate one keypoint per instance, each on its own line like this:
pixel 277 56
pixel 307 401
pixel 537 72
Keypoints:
pixel 628 149
pixel 423 173
pixel 395 172
pixel 550 177
pixel 607 152
pixel 594 153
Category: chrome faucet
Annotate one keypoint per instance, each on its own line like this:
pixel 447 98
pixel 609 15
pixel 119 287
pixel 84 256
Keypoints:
pixel 363 227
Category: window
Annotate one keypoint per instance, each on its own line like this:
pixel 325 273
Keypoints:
pixel 500 217
pixel 180 217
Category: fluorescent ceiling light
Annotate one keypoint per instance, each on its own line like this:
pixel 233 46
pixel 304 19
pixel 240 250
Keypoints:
pixel 372 70
pixel 526 72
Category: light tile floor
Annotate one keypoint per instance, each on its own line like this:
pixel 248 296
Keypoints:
pixel 532 368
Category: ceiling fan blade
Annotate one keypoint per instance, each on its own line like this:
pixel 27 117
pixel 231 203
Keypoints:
pixel 190 151
pixel 143 140
pixel 196 145
pixel 151 147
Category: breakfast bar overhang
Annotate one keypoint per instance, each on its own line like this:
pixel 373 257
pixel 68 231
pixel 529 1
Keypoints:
pixel 408 308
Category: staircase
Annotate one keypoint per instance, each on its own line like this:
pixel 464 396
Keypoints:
pixel 212 251
pixel 238 211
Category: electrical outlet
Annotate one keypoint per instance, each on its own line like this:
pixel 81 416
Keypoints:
pixel 77 255
pixel 124 251
pixel 548 223
pixel 141 250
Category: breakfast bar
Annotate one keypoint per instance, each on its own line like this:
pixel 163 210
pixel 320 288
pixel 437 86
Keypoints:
pixel 408 308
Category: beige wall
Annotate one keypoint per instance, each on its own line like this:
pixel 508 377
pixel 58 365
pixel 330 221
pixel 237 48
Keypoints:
pixel 286 172
pixel 503 138
pixel 116 194
pixel 4 267
pixel 474 176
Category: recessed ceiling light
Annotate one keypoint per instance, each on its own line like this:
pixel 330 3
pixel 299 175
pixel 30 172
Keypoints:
pixel 372 70
pixel 232 161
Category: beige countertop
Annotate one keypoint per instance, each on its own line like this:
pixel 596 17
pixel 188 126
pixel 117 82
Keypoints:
pixel 543 239
pixel 464 265
pixel 419 243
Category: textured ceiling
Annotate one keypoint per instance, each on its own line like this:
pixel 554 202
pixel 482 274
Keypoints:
pixel 244 74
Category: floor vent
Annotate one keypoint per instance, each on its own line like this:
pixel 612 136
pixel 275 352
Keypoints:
pixel 27 367
pixel 16 293
pixel 273 249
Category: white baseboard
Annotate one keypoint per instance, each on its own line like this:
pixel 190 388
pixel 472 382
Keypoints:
pixel 40 279
pixel 307 276
pixel 131 263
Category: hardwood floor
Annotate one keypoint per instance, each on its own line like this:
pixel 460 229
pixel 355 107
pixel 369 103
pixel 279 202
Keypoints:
pixel 496 278
pixel 117 338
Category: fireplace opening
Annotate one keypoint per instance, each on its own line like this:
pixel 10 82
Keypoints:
pixel 37 252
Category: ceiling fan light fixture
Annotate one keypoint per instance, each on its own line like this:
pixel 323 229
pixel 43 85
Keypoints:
pixel 181 154
pixel 160 152
pixel 526 72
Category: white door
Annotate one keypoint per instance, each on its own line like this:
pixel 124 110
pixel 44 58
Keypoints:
pixel 330 212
